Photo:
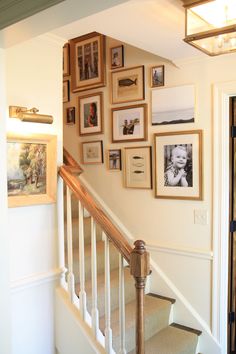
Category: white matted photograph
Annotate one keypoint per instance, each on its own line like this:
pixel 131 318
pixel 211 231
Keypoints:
pixel 173 105
pixel 92 152
pixel 178 165
pixel 138 167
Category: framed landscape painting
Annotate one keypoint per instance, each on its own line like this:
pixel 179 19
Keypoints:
pixel 138 167
pixel 92 152
pixel 31 170
pixel 178 165
pixel 91 114
pixel 128 85
pixel 129 123
pixel 173 105
pixel 87 61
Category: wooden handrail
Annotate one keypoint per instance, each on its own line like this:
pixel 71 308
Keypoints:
pixel 74 167
pixel 94 209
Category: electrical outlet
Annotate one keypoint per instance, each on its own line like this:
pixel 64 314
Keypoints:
pixel 200 217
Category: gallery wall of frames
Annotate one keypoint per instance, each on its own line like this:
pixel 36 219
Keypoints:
pixel 130 105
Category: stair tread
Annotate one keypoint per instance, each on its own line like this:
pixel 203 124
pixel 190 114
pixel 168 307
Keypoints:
pixel 171 340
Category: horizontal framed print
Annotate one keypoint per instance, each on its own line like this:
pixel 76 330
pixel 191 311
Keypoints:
pixel 114 159
pixel 87 61
pixel 117 57
pixel 178 165
pixel 138 167
pixel 66 59
pixel 129 123
pixel 128 85
pixel 173 105
pixel 92 152
pixel 31 169
pixel 91 114
pixel 70 115
pixel 157 76
pixel 66 91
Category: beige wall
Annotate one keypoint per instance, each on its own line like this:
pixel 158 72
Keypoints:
pixel 164 223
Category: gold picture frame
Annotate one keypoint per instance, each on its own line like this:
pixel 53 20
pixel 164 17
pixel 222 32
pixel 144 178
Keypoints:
pixel 178 165
pixel 31 169
pixel 92 152
pixel 114 162
pixel 128 85
pixel 90 109
pixel 87 61
pixel 66 59
pixel 158 76
pixel 138 167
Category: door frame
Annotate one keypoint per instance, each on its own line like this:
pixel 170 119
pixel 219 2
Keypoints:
pixel 221 127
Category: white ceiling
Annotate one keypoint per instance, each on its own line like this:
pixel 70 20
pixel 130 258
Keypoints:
pixel 156 26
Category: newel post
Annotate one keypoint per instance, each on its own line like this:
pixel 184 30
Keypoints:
pixel 140 269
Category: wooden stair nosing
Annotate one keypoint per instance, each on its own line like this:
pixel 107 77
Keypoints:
pixel 186 328
pixel 172 300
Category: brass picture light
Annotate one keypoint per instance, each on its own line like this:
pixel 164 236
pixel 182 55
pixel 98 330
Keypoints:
pixel 29 115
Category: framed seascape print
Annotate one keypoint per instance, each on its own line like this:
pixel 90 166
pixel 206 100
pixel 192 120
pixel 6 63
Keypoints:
pixel 91 114
pixel 66 59
pixel 138 167
pixel 157 76
pixel 66 91
pixel 70 115
pixel 117 57
pixel 173 105
pixel 129 123
pixel 31 169
pixel 128 85
pixel 87 61
pixel 92 152
pixel 178 165
pixel 114 159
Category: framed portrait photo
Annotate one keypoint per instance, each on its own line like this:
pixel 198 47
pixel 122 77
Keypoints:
pixel 92 152
pixel 117 57
pixel 66 59
pixel 114 159
pixel 173 105
pixel 70 115
pixel 157 76
pixel 91 114
pixel 129 123
pixel 66 91
pixel 178 165
pixel 87 61
pixel 31 170
pixel 138 167
pixel 128 85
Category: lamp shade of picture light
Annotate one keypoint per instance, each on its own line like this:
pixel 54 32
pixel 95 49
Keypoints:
pixel 29 115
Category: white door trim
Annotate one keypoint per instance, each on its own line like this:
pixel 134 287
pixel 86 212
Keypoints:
pixel 221 95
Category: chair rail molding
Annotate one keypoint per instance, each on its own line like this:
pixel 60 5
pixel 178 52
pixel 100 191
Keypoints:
pixel 221 95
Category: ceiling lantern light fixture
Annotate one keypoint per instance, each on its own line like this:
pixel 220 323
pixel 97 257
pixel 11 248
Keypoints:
pixel 210 25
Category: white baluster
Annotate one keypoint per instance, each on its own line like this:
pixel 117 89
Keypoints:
pixel 122 305
pixel 108 331
pixel 95 316
pixel 70 276
pixel 82 293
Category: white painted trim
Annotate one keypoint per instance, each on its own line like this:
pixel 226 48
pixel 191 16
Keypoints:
pixel 193 253
pixel 221 94
pixel 35 280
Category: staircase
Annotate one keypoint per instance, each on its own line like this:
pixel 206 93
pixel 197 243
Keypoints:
pixel 101 295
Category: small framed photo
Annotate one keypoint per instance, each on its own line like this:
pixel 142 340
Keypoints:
pixel 70 115
pixel 87 61
pixel 66 59
pixel 178 165
pixel 128 85
pixel 92 152
pixel 157 76
pixel 91 114
pixel 66 91
pixel 173 105
pixel 138 167
pixel 117 57
pixel 31 169
pixel 114 159
pixel 129 123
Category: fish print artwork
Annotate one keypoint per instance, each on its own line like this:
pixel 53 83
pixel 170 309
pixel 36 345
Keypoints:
pixel 128 86
pixel 127 82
